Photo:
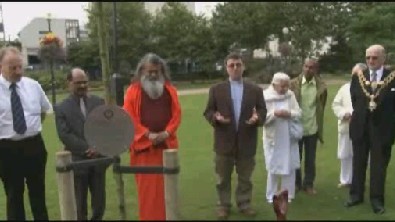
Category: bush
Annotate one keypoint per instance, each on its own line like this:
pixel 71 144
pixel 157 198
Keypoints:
pixel 44 78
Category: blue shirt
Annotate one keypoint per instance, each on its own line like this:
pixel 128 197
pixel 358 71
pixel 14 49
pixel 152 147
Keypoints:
pixel 236 91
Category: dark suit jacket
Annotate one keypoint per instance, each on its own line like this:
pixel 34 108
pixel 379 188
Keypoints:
pixel 383 116
pixel 70 124
pixel 227 140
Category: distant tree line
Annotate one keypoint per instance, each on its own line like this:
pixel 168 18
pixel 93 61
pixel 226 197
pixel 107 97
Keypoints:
pixel 197 43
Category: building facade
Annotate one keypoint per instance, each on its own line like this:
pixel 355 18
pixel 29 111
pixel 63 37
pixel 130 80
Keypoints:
pixel 67 30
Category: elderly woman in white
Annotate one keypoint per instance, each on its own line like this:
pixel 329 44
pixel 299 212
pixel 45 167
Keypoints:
pixel 342 107
pixel 281 134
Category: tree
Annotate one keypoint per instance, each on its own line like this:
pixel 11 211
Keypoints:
pixel 246 23
pixel 180 36
pixel 172 29
pixel 374 25
pixel 83 54
pixel 101 32
pixel 134 26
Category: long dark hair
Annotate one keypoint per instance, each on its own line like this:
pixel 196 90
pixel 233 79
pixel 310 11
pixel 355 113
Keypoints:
pixel 153 59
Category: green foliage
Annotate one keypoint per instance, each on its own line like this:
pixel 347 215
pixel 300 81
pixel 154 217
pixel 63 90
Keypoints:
pixel 245 23
pixel 183 37
pixel 133 31
pixel 180 36
pixel 83 54
pixel 373 25
pixel 45 79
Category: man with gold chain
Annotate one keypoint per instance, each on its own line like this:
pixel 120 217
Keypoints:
pixel 372 128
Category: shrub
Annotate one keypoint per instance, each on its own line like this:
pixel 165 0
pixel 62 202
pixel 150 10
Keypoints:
pixel 44 78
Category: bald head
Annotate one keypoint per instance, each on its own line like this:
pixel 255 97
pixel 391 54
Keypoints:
pixel 375 57
pixel 378 48
pixel 78 82
pixel 310 68
pixel 11 63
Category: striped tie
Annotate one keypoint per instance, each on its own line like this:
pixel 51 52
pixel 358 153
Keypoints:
pixel 18 116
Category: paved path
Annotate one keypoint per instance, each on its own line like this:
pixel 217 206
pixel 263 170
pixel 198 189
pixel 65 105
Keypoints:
pixel 205 90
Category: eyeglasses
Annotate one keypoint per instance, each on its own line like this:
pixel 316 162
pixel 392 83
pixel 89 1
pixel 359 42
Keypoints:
pixel 371 57
pixel 234 65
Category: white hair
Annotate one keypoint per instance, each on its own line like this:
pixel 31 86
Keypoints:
pixel 279 77
pixel 378 48
pixel 362 66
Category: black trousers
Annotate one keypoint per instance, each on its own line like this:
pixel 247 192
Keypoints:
pixel 92 178
pixel 380 155
pixel 22 161
pixel 310 146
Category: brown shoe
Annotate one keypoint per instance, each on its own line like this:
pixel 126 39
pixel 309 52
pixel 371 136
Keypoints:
pixel 248 212
pixel 310 191
pixel 222 214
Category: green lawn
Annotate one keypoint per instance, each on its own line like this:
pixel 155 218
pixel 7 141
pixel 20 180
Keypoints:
pixel 197 179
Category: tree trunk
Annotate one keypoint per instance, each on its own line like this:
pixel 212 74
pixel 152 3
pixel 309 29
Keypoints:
pixel 105 66
pixel 104 51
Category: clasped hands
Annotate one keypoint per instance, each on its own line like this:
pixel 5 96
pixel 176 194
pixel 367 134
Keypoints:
pixel 91 153
pixel 282 113
pixel 221 119
pixel 347 116
pixel 157 138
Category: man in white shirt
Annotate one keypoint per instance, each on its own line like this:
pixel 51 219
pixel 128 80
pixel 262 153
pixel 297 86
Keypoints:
pixel 23 156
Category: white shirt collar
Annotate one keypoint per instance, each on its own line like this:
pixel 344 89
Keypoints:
pixel 379 73
pixel 235 81
pixel 7 83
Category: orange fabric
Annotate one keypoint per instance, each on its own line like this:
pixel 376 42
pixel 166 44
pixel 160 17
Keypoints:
pixel 150 187
pixel 132 106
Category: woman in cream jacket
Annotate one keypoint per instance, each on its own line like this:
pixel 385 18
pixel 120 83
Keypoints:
pixel 342 107
pixel 281 134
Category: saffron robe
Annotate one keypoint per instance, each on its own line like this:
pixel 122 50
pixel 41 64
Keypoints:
pixel 150 187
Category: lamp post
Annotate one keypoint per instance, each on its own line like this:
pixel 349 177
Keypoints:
pixel 285 50
pixel 116 78
pixel 51 64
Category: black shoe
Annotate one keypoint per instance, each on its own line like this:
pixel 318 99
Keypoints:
pixel 353 202
pixel 377 207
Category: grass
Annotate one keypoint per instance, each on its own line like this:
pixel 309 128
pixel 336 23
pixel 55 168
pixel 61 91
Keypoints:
pixel 197 179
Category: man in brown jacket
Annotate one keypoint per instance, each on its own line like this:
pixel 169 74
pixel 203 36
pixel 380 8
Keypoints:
pixel 235 109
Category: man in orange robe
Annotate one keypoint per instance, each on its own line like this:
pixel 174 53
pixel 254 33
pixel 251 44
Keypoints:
pixel 153 105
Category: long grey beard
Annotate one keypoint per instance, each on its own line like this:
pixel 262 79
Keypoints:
pixel 154 88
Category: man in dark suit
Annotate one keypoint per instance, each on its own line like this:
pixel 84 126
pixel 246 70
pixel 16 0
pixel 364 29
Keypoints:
pixel 70 120
pixel 235 109
pixel 372 128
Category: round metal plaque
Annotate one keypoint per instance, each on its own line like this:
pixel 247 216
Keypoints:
pixel 109 129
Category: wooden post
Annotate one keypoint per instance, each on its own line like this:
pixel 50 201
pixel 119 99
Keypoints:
pixel 170 160
pixel 67 203
pixel 120 188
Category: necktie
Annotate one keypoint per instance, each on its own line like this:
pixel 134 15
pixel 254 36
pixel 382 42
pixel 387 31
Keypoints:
pixel 374 76
pixel 18 116
pixel 373 80
pixel 82 106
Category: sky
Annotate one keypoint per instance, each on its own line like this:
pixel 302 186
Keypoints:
pixel 16 15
